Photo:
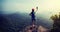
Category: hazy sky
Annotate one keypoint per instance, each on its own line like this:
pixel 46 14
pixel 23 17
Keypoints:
pixel 45 7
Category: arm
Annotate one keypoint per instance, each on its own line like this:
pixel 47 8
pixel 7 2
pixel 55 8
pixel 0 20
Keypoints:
pixel 36 9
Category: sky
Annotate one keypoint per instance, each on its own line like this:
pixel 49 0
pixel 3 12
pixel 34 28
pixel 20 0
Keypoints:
pixel 45 7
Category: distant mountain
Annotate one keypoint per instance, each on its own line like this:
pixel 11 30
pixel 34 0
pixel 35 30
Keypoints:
pixel 18 21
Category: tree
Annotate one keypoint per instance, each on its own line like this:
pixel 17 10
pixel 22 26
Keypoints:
pixel 56 24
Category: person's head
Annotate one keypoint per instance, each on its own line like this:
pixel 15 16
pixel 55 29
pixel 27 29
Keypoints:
pixel 32 9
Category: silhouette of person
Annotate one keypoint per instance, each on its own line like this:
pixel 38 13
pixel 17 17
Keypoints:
pixel 32 14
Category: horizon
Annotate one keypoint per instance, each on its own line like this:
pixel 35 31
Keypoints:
pixel 45 7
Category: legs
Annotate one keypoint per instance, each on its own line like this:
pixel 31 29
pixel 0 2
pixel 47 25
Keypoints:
pixel 33 21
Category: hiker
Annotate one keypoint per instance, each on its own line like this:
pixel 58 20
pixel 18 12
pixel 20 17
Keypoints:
pixel 32 14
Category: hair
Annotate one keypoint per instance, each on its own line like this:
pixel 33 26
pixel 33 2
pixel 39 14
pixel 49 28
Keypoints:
pixel 32 10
